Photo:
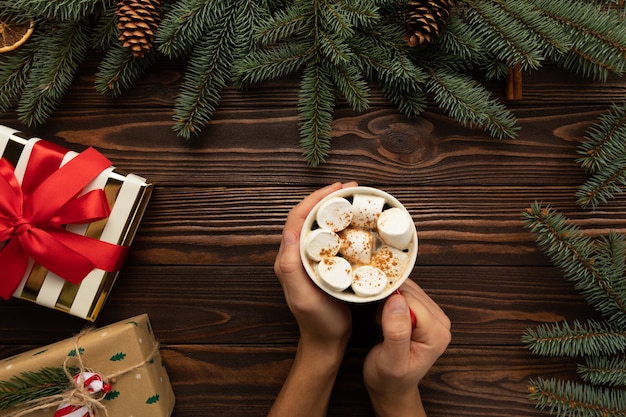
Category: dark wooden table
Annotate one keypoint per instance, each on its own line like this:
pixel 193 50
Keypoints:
pixel 201 263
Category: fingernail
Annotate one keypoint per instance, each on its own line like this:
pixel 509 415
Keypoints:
pixel 397 305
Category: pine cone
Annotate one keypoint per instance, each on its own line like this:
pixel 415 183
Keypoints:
pixel 425 20
pixel 137 22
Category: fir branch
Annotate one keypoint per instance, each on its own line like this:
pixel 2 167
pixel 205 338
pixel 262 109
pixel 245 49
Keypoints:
pixel 409 98
pixel 61 10
pixel 547 38
pixel 331 18
pixel 604 371
pixel 565 398
pixel 201 89
pixel 600 37
pixel 333 48
pixel 611 260
pixel 283 24
pixel 459 41
pixel 380 54
pixel 316 103
pixel 605 141
pixel 32 385
pixel 14 70
pixel 216 35
pixel 576 255
pixel 360 14
pixel 579 339
pixel 185 24
pixel 252 12
pixel 119 70
pixel 263 65
pixel 106 33
pixel 504 35
pixel 208 71
pixel 470 103
pixel 52 74
pixel 603 185
pixel 350 83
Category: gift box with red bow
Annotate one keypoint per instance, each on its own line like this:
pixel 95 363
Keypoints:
pixel 116 370
pixel 66 222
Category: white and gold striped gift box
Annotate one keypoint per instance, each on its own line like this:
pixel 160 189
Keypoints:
pixel 128 196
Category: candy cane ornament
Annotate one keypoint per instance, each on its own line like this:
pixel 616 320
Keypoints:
pixel 93 383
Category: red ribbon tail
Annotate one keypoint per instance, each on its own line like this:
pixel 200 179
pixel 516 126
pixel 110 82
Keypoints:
pixel 70 255
pixel 14 262
pixel 103 255
pixel 84 209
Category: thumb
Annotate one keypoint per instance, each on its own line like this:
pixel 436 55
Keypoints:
pixel 396 324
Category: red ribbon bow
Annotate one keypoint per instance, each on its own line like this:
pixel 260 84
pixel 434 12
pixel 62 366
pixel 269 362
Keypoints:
pixel 32 217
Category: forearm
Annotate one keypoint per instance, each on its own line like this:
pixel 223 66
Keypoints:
pixel 308 386
pixel 408 405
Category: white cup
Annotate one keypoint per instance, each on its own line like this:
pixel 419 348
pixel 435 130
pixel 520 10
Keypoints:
pixel 399 245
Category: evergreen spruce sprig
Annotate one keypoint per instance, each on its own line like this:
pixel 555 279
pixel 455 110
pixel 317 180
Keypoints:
pixel 604 370
pixel 505 28
pixel 51 74
pixel 35 78
pixel 581 260
pixel 597 267
pixel 119 70
pixel 32 385
pixel 14 71
pixel 350 43
pixel 598 36
pixel 589 338
pixel 383 58
pixel 58 10
pixel 212 36
pixel 604 157
pixel 567 398
pixel 470 103
pixel 317 37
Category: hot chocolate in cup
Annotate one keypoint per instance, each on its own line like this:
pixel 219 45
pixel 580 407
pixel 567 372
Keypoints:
pixel 377 244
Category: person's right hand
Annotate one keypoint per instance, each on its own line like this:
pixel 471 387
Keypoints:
pixel 394 367
pixel 324 321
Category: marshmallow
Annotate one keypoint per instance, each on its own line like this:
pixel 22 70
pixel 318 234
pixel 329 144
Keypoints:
pixel 335 214
pixel 322 243
pixel 395 227
pixel 391 261
pixel 365 210
pixel 357 245
pixel 335 272
pixel 368 281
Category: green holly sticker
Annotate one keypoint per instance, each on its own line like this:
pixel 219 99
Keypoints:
pixel 118 357
pixel 153 400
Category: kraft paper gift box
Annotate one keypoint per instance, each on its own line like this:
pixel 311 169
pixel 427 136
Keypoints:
pixel 125 356
pixel 39 173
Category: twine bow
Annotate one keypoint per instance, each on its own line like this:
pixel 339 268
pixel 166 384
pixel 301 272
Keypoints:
pixel 32 216
pixel 87 389
pixel 81 399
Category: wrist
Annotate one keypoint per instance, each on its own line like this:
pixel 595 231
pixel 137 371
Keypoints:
pixel 407 404
pixel 326 355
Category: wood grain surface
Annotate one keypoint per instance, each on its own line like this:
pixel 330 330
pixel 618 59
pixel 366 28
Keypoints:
pixel 201 263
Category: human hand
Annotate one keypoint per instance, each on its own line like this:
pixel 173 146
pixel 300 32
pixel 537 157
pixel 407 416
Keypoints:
pixel 324 321
pixel 393 368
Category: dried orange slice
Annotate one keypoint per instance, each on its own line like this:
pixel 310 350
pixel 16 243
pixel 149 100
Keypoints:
pixel 13 35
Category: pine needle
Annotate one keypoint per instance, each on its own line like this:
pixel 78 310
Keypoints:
pixel 32 385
